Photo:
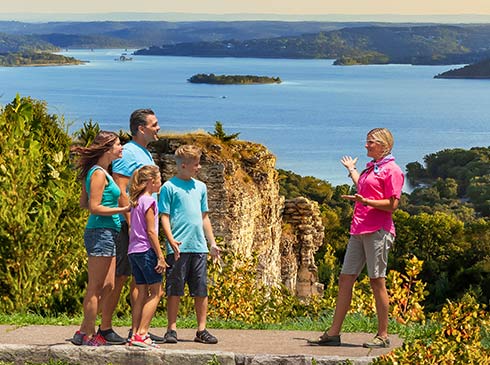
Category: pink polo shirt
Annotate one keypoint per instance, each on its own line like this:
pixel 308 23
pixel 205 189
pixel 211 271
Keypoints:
pixel 387 182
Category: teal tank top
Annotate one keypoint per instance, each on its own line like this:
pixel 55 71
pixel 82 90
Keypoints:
pixel 110 198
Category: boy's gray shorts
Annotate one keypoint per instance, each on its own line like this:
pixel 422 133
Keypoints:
pixel 371 249
pixel 190 268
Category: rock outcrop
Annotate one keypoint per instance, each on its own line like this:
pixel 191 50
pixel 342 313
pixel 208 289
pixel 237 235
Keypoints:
pixel 246 208
pixel 302 236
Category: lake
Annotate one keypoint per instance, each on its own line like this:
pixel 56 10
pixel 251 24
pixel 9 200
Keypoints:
pixel 319 112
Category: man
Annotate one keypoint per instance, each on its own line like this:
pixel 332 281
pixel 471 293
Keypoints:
pixel 144 129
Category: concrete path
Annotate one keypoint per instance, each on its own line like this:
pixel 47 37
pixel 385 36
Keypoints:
pixel 235 347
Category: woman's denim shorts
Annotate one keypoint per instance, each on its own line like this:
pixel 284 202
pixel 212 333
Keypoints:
pixel 100 241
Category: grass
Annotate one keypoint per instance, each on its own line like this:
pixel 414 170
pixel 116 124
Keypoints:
pixel 353 323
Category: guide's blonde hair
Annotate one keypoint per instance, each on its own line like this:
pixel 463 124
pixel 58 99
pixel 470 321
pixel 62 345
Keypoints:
pixel 139 181
pixel 186 153
pixel 384 137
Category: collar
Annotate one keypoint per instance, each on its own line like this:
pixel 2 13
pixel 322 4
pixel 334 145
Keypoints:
pixel 375 165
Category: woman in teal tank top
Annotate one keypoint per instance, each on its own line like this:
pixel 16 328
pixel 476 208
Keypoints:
pixel 100 195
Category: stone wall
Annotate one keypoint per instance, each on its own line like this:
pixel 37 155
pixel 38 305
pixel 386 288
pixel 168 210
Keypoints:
pixel 246 208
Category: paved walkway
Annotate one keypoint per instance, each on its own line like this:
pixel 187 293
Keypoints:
pixel 235 347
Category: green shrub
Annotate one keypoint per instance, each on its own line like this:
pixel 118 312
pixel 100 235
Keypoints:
pixel 235 294
pixel 456 341
pixel 41 224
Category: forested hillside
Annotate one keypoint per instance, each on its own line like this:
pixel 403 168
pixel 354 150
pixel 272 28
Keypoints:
pixel 361 45
pixel 148 33
pixel 17 43
pixel 347 43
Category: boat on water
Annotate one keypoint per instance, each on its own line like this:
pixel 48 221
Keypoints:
pixel 123 57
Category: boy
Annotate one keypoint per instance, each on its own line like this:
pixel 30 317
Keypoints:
pixel 185 222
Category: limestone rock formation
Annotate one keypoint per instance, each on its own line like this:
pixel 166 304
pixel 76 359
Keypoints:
pixel 246 208
pixel 302 236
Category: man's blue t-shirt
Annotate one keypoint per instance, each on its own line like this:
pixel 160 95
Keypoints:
pixel 133 157
pixel 185 201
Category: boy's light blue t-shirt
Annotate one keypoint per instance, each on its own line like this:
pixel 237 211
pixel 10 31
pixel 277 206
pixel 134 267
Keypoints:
pixel 133 157
pixel 185 201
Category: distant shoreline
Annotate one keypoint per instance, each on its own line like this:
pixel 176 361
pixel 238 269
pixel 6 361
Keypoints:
pixel 462 77
pixel 46 64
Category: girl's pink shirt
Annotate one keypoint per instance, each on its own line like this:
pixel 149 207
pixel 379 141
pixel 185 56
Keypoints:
pixel 385 184
pixel 138 236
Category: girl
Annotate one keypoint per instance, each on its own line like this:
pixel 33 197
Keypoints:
pixel 145 254
pixel 100 196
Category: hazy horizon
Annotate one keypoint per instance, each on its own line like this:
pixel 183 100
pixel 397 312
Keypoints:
pixel 181 16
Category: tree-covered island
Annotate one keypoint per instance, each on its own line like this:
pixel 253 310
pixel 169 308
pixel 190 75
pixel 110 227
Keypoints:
pixel 479 70
pixel 32 58
pixel 233 79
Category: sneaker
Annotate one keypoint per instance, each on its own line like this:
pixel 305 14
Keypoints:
pixel 96 340
pixel 130 336
pixel 142 341
pixel 205 337
pixel 156 339
pixel 326 340
pixel 170 337
pixel 377 342
pixel 79 338
pixel 111 337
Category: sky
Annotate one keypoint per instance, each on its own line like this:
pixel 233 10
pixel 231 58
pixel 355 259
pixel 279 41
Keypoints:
pixel 291 7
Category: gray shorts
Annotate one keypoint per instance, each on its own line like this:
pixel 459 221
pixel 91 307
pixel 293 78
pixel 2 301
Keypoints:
pixel 371 249
pixel 123 267
pixel 190 268
pixel 100 242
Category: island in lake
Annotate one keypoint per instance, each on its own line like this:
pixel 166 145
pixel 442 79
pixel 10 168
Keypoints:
pixel 480 70
pixel 33 58
pixel 233 79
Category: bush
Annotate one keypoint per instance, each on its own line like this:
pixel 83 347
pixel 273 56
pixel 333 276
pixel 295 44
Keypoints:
pixel 41 225
pixel 235 294
pixel 456 341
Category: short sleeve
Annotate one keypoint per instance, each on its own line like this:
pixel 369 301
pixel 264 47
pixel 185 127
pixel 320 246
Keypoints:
pixel 125 165
pixel 149 203
pixel 164 200
pixel 394 183
pixel 204 199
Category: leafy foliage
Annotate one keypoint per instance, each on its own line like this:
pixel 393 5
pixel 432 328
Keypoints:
pixel 235 294
pixel 453 180
pixel 456 341
pixel 86 135
pixel 292 185
pixel 407 292
pixel 40 220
